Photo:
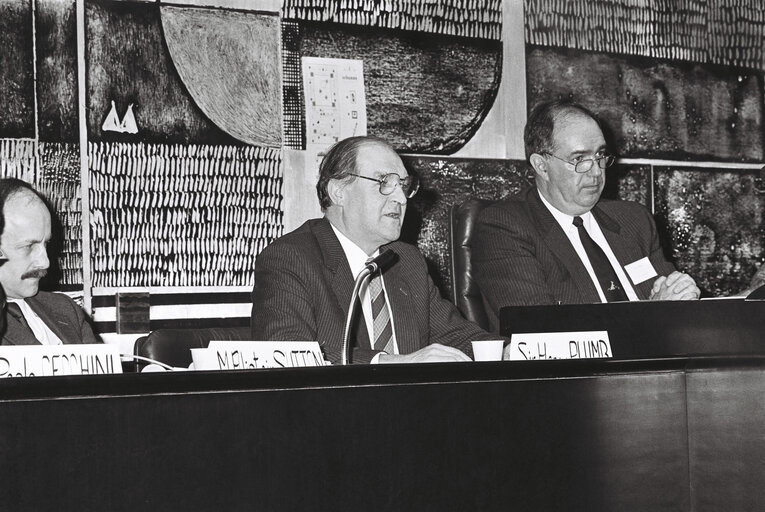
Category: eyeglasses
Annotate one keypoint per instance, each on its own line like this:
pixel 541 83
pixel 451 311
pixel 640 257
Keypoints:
pixel 409 185
pixel 585 165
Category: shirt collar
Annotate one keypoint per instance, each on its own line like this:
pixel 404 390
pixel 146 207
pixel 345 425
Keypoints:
pixel 565 220
pixel 357 258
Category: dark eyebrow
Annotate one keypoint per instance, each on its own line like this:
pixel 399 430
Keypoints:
pixel 582 152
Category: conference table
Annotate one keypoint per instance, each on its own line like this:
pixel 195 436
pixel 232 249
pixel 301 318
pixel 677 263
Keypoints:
pixel 674 433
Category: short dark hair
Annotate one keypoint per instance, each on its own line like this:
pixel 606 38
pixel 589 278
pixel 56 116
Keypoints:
pixel 10 187
pixel 340 163
pixel 538 134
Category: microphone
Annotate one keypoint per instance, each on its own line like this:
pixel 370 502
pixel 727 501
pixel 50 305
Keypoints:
pixel 381 261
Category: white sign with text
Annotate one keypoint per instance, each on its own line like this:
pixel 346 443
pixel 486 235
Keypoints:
pixel 560 345
pixel 248 355
pixel 55 360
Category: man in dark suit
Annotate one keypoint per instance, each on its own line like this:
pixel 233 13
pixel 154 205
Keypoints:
pixel 559 242
pixel 304 280
pixel 32 316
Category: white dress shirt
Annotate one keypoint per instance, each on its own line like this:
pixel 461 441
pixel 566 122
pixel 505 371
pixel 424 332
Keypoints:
pixel 357 260
pixel 41 331
pixel 593 229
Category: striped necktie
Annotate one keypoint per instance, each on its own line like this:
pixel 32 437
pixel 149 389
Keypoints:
pixel 383 329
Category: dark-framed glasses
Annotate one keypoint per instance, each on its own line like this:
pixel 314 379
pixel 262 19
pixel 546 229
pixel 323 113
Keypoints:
pixel 409 185
pixel 584 165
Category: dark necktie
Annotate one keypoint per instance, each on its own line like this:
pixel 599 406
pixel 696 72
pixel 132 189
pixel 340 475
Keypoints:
pixel 382 327
pixel 15 311
pixel 607 278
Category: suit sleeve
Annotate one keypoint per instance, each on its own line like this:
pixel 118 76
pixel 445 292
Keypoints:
pixel 506 265
pixel 281 303
pixel 656 256
pixel 449 327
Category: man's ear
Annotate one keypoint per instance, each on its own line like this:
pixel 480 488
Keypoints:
pixel 539 164
pixel 336 191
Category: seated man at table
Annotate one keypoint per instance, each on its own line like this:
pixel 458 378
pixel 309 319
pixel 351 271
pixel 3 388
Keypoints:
pixel 559 242
pixel 32 316
pixel 304 280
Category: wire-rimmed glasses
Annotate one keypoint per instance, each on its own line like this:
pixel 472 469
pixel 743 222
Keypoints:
pixel 584 165
pixel 409 185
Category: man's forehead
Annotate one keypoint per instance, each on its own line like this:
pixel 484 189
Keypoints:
pixel 20 199
pixel 379 159
pixel 25 209
pixel 577 132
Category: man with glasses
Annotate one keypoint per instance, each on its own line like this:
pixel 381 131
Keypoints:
pixel 559 242
pixel 304 280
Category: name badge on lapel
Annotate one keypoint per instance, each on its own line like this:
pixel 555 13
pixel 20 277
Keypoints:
pixel 641 270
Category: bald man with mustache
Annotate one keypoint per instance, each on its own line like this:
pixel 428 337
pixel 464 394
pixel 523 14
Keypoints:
pixel 32 316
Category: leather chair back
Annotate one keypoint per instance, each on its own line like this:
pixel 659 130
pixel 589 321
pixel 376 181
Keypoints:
pixel 172 346
pixel 465 293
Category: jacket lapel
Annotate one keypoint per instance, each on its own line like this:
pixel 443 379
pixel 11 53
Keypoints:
pixel 60 325
pixel 622 246
pixel 341 281
pixel 17 333
pixel 559 244
pixel 613 233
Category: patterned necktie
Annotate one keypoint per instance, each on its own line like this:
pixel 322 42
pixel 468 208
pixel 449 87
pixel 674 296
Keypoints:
pixel 383 329
pixel 607 278
pixel 15 311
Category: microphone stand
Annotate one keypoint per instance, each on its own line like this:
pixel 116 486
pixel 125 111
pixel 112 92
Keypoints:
pixel 365 272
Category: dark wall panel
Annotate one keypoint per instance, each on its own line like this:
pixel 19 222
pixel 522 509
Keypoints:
pixel 56 25
pixel 656 108
pixel 446 183
pixel 17 103
pixel 714 220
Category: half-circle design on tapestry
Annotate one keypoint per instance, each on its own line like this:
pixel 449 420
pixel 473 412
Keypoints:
pixel 426 93
pixel 231 65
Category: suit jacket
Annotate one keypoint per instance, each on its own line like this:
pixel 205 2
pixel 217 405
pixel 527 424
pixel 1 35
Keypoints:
pixel 521 256
pixel 303 286
pixel 60 313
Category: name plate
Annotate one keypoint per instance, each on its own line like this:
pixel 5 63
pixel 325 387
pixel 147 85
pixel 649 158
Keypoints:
pixel 50 360
pixel 249 355
pixel 560 345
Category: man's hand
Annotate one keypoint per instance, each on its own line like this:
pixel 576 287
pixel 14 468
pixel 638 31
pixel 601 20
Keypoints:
pixel 676 286
pixel 435 353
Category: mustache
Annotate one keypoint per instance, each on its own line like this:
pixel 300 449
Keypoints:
pixel 37 274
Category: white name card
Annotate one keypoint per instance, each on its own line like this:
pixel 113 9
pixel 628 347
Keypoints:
pixel 50 360
pixel 248 355
pixel 560 345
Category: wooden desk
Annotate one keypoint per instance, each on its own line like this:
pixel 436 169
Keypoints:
pixel 672 434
